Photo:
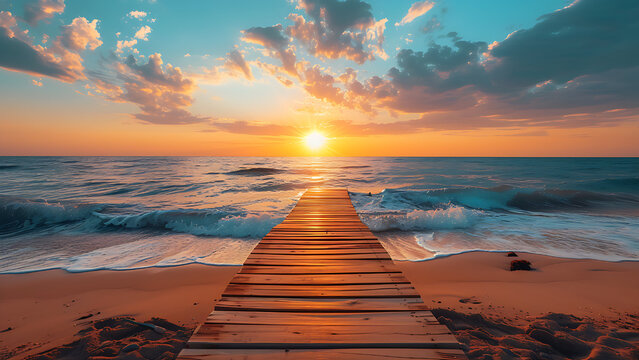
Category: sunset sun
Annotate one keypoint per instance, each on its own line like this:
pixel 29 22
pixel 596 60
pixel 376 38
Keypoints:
pixel 315 140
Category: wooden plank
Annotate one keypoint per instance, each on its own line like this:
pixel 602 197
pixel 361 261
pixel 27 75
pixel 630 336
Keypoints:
pixel 319 305
pixel 313 291
pixel 314 259
pixel 315 269
pixel 320 336
pixel 292 318
pixel 285 246
pixel 318 251
pixel 324 354
pixel 319 279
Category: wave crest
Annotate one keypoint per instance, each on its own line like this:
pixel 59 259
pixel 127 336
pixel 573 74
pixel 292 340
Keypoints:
pixel 453 217
pixel 497 198
pixel 20 215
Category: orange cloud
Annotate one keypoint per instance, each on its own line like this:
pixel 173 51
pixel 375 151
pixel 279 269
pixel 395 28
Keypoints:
pixel 61 60
pixel 416 10
pixel 35 11
pixel 339 30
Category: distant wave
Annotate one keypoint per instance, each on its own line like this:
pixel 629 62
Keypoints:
pixel 454 217
pixel 498 198
pixel 627 185
pixel 257 171
pixel 8 167
pixel 20 215
pixel 355 167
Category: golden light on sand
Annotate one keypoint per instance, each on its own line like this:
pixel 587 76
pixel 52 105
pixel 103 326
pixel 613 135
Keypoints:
pixel 315 140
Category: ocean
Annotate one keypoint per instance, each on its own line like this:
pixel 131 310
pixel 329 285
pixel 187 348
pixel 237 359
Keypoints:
pixel 90 213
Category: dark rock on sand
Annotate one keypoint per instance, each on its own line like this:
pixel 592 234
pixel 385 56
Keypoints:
pixel 520 265
pixel 512 254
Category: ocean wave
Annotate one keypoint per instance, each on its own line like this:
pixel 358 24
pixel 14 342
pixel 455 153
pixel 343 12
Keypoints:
pixel 257 171
pixel 614 185
pixel 355 167
pixel 453 217
pixel 8 167
pixel 19 215
pixel 497 198
pixel 196 222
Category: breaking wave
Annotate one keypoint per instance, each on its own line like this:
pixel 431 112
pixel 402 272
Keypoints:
pixel 498 198
pixel 20 215
pixel 454 217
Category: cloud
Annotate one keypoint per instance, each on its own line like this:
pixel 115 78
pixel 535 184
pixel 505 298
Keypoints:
pixel 161 91
pixel 17 55
pixel 60 61
pixel 586 37
pixel 35 11
pixel 322 85
pixel 339 29
pixel 416 10
pixel 565 64
pixel 37 83
pixel 81 34
pixel 154 73
pixel 143 33
pixel 271 37
pixel 137 14
pixel 431 25
pixel 124 44
pixel 235 63
pixel 245 127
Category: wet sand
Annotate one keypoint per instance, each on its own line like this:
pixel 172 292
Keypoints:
pixel 562 309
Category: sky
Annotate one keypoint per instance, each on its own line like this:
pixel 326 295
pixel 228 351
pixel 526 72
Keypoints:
pixel 376 78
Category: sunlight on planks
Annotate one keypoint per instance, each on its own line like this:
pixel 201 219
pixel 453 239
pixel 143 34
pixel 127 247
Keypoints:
pixel 321 286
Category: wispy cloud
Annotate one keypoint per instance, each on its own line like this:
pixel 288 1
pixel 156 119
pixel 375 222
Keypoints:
pixel 137 14
pixel 37 10
pixel 416 10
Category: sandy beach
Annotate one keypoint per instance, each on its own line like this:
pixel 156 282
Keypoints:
pixel 44 309
pixel 493 311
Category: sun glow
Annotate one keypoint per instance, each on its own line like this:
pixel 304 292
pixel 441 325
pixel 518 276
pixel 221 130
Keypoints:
pixel 315 140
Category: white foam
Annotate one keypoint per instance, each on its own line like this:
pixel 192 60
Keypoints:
pixel 453 217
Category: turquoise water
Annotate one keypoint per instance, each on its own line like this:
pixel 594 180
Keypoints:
pixel 87 213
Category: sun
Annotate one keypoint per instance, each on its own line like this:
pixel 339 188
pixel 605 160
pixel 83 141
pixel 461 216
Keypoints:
pixel 315 140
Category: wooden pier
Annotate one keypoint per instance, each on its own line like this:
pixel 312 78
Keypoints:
pixel 321 286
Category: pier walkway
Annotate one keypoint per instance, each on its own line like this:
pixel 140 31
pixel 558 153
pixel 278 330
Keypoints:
pixel 321 286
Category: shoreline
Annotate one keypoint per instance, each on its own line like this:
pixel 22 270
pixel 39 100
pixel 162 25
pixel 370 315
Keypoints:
pixel 391 251
pixel 46 309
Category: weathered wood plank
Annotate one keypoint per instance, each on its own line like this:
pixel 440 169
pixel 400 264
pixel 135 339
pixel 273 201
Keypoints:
pixel 321 279
pixel 321 354
pixel 292 318
pixel 313 291
pixel 319 305
pixel 314 259
pixel 317 251
pixel 212 335
pixel 315 269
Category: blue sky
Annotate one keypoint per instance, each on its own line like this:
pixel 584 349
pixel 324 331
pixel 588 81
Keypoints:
pixel 221 67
